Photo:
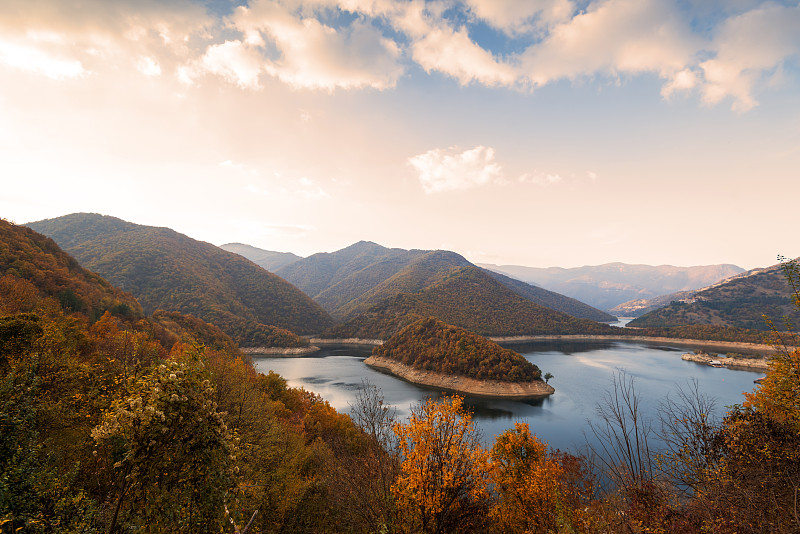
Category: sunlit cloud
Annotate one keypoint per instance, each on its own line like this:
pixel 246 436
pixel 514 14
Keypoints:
pixel 540 178
pixel 31 59
pixel 448 170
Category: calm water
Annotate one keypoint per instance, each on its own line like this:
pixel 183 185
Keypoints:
pixel 582 373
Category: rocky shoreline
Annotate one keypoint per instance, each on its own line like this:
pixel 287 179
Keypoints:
pixel 346 341
pixel 280 351
pixel 761 364
pixel 458 384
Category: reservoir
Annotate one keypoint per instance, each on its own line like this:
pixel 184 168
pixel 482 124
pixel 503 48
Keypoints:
pixel 582 374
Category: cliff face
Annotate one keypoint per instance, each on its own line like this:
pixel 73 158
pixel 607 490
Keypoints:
pixel 458 384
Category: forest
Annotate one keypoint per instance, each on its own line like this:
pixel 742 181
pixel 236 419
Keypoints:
pixel 112 421
pixel 433 345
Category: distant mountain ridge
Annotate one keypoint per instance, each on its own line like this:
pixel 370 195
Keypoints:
pixel 608 285
pixel 168 270
pixel 267 259
pixel 351 280
pixel 470 298
pixel 740 301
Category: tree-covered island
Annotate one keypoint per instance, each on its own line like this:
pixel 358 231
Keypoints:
pixel 432 353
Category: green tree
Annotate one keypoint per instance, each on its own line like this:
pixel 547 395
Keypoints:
pixel 171 450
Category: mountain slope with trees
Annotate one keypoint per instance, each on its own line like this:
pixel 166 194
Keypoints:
pixel 471 299
pixel 739 302
pixel 351 280
pixel 170 271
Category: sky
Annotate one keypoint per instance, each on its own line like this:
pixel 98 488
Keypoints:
pixel 537 132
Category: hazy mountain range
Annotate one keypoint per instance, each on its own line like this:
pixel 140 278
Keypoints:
pixel 606 286
pixel 740 302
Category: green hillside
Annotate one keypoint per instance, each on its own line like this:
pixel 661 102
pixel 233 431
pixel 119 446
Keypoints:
pixel 33 267
pixel 468 298
pixel 432 345
pixel 739 302
pixel 170 271
pixel 350 281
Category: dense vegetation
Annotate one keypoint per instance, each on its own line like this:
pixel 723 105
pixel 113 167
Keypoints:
pixel 740 302
pixel 47 270
pixel 137 425
pixel 432 345
pixel 469 298
pixel 350 281
pixel 167 270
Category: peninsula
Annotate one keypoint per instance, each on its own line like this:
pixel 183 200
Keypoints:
pixel 432 353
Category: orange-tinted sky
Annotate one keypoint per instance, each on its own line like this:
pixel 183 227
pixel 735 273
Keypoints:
pixel 539 132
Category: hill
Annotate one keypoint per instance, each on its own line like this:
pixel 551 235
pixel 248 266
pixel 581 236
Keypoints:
pixel 608 285
pixel 33 267
pixel 738 302
pixel 267 259
pixel 170 271
pixel 469 298
pixel 432 345
pixel 638 307
pixel 350 281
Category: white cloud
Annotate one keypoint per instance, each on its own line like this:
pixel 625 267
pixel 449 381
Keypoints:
pixel 316 56
pixel 234 61
pixel 516 17
pixel 447 170
pixel 748 48
pixel 32 59
pixel 452 52
pixel 148 66
pixel 612 37
pixel 540 178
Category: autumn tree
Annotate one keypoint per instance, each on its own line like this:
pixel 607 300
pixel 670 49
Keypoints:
pixel 171 450
pixel 443 480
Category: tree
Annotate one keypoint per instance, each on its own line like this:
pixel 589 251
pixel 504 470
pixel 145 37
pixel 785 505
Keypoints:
pixel 547 377
pixel 171 450
pixel 443 477
pixel 538 490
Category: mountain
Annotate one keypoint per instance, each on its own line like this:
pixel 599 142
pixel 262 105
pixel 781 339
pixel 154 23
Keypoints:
pixel 737 302
pixel 351 280
pixel 33 267
pixel 431 345
pixel 638 307
pixel 267 259
pixel 611 284
pixel 469 298
pixel 167 270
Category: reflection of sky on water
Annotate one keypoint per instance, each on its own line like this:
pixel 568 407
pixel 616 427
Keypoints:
pixel 582 375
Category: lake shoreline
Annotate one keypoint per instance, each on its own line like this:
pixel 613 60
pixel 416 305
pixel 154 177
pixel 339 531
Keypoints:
pixel 759 364
pixel 285 352
pixel 490 389
pixel 719 345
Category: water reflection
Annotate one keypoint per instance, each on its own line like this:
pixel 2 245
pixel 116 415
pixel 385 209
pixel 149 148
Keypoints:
pixel 582 375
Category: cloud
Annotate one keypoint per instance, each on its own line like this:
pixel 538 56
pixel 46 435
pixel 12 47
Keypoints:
pixel 448 170
pixel 749 47
pixel 540 178
pixel 515 17
pixel 31 59
pixel 613 37
pixel 234 61
pixel 313 55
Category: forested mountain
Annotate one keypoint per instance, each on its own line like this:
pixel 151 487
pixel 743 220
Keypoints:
pixel 431 345
pixel 638 307
pixel 349 281
pixel 167 270
pixel 469 298
pixel 267 259
pixel 738 302
pixel 606 286
pixel 33 266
